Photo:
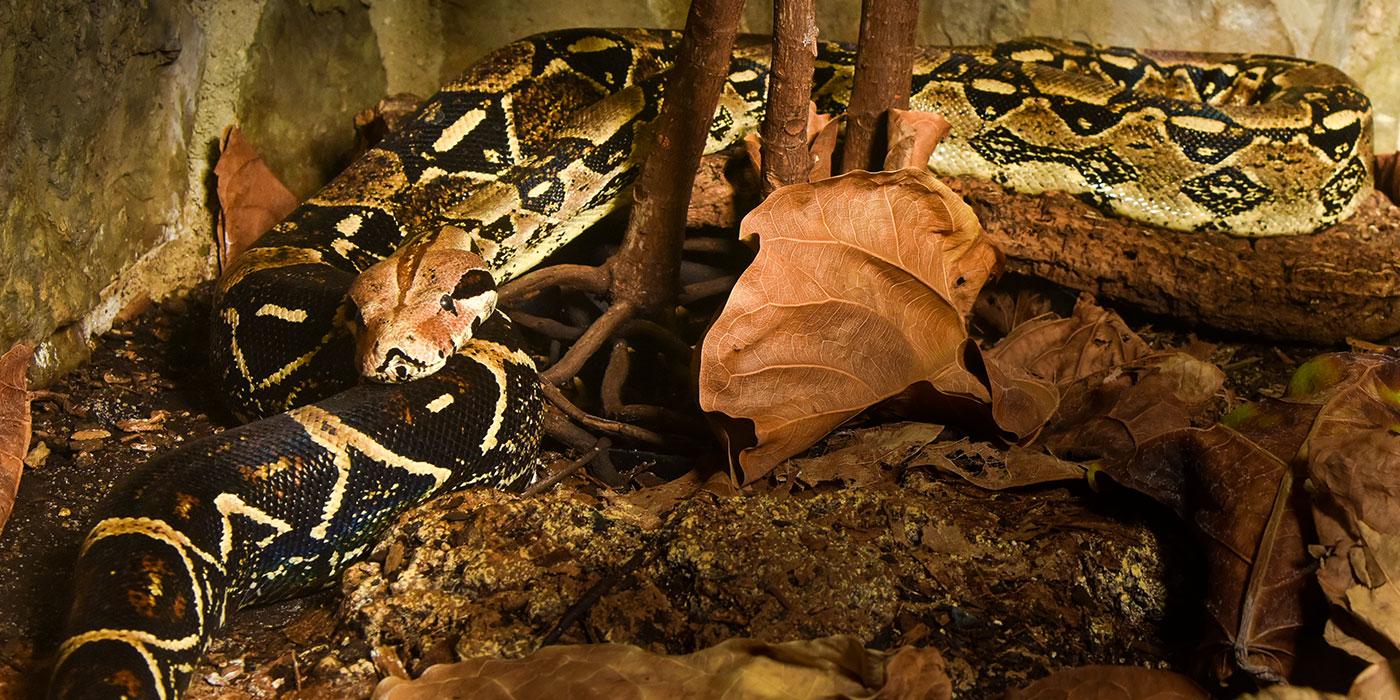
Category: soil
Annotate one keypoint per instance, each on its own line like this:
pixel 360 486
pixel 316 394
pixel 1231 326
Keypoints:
pixel 1008 585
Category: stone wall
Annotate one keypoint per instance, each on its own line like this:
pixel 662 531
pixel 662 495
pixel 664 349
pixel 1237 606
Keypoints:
pixel 110 109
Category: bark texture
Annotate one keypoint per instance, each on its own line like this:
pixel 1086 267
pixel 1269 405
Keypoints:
pixel 784 156
pixel 1322 288
pixel 884 62
pixel 647 266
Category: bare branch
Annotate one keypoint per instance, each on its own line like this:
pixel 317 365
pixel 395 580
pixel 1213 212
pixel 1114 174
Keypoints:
pixel 785 158
pixel 648 264
pixel 884 64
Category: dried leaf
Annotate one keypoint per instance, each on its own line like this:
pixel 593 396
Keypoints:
pixel 155 422
pixel 1388 175
pixel 912 137
pixel 14 425
pixel 1107 417
pixel 1065 350
pixel 662 498
pixel 1028 370
pixel 859 290
pixel 859 461
pixel 737 668
pixel 1245 506
pixel 916 673
pixel 1117 682
pixel 384 118
pixel 822 130
pixel 1001 308
pixel 251 198
pixel 1349 409
pixel 995 469
pixel 1380 680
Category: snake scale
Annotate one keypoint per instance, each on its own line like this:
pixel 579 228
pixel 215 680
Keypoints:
pixel 385 270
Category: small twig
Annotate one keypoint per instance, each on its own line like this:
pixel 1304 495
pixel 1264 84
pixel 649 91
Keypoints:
pixel 584 278
pixel 559 427
pixel 554 478
pixel 587 344
pixel 704 289
pixel 557 398
pixel 547 327
pixel 596 593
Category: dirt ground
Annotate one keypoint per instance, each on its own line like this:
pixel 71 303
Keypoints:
pixel 1008 585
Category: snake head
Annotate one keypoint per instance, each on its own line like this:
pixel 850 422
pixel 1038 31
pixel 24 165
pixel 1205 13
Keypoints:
pixel 416 308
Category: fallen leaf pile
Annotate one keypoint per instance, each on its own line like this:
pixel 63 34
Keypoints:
pixel 861 294
pixel 737 668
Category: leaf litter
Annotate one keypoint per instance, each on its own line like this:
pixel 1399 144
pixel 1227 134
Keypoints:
pixel 1083 397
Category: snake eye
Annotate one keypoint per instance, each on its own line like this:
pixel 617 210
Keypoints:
pixel 356 316
pixel 447 304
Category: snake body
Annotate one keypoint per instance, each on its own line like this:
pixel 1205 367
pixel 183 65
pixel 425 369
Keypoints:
pixel 526 149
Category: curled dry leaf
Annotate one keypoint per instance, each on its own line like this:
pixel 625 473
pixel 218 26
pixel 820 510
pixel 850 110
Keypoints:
pixel 912 137
pixel 14 425
pixel 1030 368
pixel 1117 682
pixel 251 198
pixel 1353 464
pixel 860 289
pixel 822 130
pixel 737 668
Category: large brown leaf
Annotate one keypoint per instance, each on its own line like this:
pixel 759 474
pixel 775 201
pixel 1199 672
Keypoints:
pixel 1116 682
pixel 860 289
pixel 1235 483
pixel 14 425
pixel 737 668
pixel 1107 417
pixel 251 198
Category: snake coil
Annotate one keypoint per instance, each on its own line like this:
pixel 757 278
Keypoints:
pixel 526 149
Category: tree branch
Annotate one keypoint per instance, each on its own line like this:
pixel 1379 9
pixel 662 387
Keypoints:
pixel 784 156
pixel 646 268
pixel 884 65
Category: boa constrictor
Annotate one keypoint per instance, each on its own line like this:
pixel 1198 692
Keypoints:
pixel 503 166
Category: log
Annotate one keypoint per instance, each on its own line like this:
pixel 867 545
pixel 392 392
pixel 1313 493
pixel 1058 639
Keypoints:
pixel 1342 282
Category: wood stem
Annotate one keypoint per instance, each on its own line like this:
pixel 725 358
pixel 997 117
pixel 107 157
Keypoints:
pixel 884 66
pixel 784 154
pixel 647 267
